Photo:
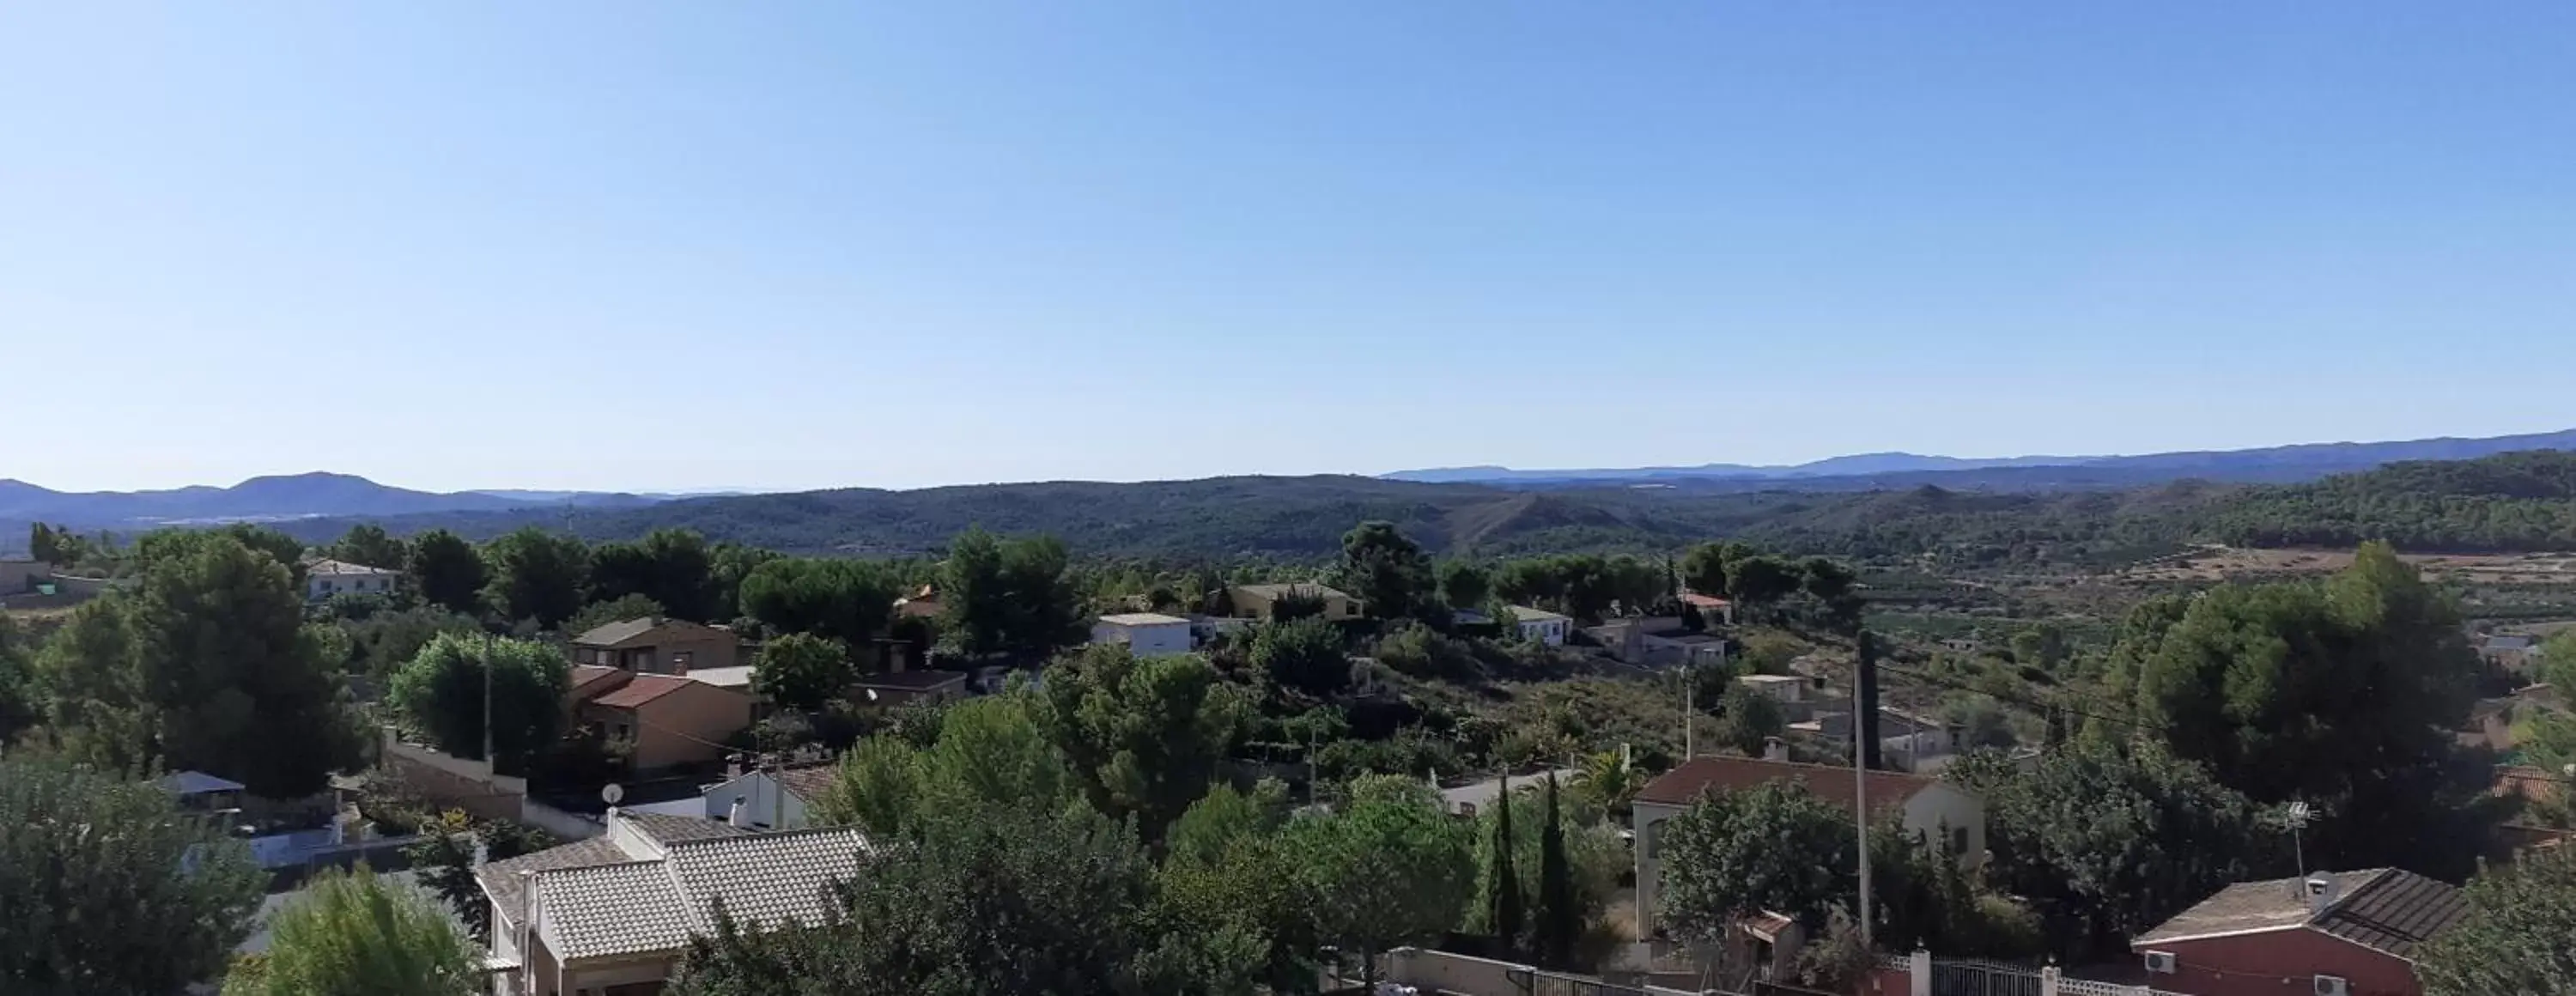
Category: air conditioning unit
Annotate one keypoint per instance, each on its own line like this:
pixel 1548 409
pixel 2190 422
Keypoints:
pixel 2160 962
pixel 2332 985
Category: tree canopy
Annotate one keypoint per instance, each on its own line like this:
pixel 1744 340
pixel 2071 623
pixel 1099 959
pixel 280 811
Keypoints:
pixel 112 891
pixel 1387 572
pixel 356 933
pixel 801 671
pixel 2515 938
pixel 537 575
pixel 448 571
pixel 1144 736
pixel 441 692
pixel 1007 597
pixel 845 600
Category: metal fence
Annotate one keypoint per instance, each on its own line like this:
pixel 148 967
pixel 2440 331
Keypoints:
pixel 1962 977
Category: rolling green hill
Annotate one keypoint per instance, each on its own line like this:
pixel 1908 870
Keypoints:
pixel 2510 502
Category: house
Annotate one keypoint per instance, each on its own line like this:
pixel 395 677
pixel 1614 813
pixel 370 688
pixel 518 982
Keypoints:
pixel 2511 651
pixel 770 800
pixel 324 579
pixel 1146 634
pixel 2490 724
pixel 1473 797
pixel 1257 600
pixel 1711 608
pixel 1914 741
pixel 907 687
pixel 1935 810
pixel 20 576
pixel 657 645
pixel 2334 933
pixel 672 720
pixel 1656 641
pixel 613 914
pixel 1542 626
pixel 923 603
pixel 1782 688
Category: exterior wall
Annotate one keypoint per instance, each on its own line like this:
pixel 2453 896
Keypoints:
pixel 679 652
pixel 1547 631
pixel 323 586
pixel 761 800
pixel 1336 605
pixel 21 575
pixel 1157 640
pixel 685 726
pixel 1940 806
pixel 888 695
pixel 453 782
pixel 2280 961
pixel 1650 869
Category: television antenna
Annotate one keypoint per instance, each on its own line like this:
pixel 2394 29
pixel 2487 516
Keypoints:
pixel 612 793
pixel 2296 817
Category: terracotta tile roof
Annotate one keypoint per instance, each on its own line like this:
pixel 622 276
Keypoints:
pixel 2383 909
pixel 586 675
pixel 1699 601
pixel 1686 782
pixel 2527 782
pixel 643 631
pixel 644 688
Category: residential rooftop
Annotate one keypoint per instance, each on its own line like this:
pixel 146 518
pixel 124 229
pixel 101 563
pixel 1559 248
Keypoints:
pixel 342 568
pixel 2388 910
pixel 1686 782
pixel 1144 619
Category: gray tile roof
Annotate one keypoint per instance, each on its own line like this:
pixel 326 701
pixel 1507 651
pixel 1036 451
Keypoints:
pixel 598 900
pixel 615 633
pixel 2384 909
pixel 2397 911
pixel 671 829
pixel 501 878
pixel 612 910
pixel 766 879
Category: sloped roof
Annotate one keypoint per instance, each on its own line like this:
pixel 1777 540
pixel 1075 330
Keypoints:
pixel 1686 782
pixel 645 688
pixel 1143 619
pixel 767 879
pixel 501 878
pixel 811 782
pixel 1301 588
pixel 187 783
pixel 612 910
pixel 586 675
pixel 342 568
pixel 670 829
pixel 642 631
pixel 1527 614
pixel 2384 909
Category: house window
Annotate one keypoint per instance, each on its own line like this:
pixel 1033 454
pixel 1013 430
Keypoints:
pixel 1958 841
pixel 680 661
pixel 1655 839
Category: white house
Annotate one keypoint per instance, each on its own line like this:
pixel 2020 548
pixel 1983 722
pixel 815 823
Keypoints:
pixel 614 913
pixel 325 578
pixel 766 800
pixel 1781 688
pixel 1146 634
pixel 1936 810
pixel 1541 625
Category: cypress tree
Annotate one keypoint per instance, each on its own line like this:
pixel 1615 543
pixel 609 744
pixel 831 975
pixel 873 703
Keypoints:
pixel 1558 920
pixel 1503 885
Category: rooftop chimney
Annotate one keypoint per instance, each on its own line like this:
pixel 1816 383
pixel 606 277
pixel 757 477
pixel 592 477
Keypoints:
pixel 733 817
pixel 2321 891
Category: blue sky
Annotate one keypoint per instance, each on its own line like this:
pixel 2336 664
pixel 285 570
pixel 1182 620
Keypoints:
pixel 665 245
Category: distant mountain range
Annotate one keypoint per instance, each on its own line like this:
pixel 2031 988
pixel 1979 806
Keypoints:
pixel 278 498
pixel 1870 471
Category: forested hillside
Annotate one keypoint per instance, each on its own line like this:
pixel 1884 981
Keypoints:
pixel 2523 501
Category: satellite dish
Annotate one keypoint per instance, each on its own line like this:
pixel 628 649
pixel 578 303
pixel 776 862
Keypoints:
pixel 612 793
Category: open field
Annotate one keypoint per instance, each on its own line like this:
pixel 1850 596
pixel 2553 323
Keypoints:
pixel 2216 563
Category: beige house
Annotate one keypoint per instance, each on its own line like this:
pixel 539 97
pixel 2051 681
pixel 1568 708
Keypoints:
pixel 1935 810
pixel 18 576
pixel 672 720
pixel 1255 601
pixel 612 915
pixel 324 579
pixel 657 645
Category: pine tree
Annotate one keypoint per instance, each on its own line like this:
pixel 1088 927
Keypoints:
pixel 1503 880
pixel 1559 921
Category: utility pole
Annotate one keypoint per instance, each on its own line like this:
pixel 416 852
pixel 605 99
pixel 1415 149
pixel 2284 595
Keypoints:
pixel 1863 738
pixel 1690 710
pixel 491 765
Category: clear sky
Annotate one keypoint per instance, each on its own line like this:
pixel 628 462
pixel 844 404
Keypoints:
pixel 639 245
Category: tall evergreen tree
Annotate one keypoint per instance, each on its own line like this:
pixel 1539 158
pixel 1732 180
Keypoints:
pixel 1502 876
pixel 1560 920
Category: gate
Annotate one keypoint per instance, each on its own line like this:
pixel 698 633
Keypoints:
pixel 1983 978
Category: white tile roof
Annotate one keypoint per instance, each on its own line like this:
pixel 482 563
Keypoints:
pixel 344 568
pixel 738 676
pixel 627 907
pixel 1144 619
pixel 767 879
pixel 611 910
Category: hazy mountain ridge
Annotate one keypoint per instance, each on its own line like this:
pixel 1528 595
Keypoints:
pixel 278 497
pixel 2271 464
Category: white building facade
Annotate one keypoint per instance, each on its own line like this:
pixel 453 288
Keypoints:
pixel 1146 634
